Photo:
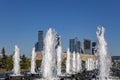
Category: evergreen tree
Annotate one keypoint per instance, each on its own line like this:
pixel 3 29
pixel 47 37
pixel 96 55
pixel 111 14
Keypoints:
pixel 4 58
pixel 3 52
pixel 0 62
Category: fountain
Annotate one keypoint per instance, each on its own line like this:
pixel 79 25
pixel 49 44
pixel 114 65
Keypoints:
pixel 59 52
pixel 49 57
pixel 74 62
pixel 33 63
pixel 16 61
pixel 89 64
pixel 68 62
pixel 104 60
pixel 79 67
pixel 96 64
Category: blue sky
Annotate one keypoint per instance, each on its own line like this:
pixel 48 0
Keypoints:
pixel 21 19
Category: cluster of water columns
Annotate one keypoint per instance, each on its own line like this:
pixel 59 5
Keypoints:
pixel 16 61
pixel 90 64
pixel 74 65
pixel 52 58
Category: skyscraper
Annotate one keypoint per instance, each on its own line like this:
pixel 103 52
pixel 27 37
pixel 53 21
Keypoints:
pixel 74 45
pixel 87 46
pixel 39 44
pixel 93 47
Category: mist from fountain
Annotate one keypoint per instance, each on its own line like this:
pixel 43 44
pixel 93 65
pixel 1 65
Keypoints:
pixel 33 61
pixel 68 62
pixel 79 67
pixel 90 64
pixel 96 64
pixel 16 62
pixel 59 52
pixel 49 57
pixel 74 62
pixel 104 60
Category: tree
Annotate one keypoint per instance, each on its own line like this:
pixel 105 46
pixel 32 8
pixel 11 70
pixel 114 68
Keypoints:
pixel 25 62
pixel 64 62
pixel 0 62
pixel 4 58
pixel 3 52
pixel 9 63
pixel 38 63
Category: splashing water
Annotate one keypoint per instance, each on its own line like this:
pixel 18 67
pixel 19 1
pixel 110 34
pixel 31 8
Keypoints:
pixel 16 61
pixel 49 57
pixel 74 62
pixel 59 52
pixel 90 64
pixel 96 64
pixel 79 67
pixel 104 61
pixel 68 61
pixel 33 63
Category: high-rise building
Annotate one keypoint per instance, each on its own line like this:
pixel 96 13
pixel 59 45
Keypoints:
pixel 93 47
pixel 87 46
pixel 74 45
pixel 39 44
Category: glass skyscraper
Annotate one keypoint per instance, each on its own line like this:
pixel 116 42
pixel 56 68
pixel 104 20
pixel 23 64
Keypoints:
pixel 39 44
pixel 87 45
pixel 74 45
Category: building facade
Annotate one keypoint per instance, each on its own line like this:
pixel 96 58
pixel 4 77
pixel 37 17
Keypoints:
pixel 39 44
pixel 87 46
pixel 93 47
pixel 74 45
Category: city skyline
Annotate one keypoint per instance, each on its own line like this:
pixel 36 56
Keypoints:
pixel 20 21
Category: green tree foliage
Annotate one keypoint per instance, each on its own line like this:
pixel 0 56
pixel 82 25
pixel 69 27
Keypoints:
pixel 0 62
pixel 25 62
pixel 63 62
pixel 3 59
pixel 38 63
pixel 3 52
pixel 9 63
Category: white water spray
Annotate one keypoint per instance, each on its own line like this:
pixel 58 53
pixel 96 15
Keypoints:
pixel 59 52
pixel 90 64
pixel 16 61
pixel 68 61
pixel 104 61
pixel 96 64
pixel 33 61
pixel 79 67
pixel 49 57
pixel 74 62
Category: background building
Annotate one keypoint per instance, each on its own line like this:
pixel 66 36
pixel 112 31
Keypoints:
pixel 87 46
pixel 117 58
pixel 74 45
pixel 116 62
pixel 93 47
pixel 39 44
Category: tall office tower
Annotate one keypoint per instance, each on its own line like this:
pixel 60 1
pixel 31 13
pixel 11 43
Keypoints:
pixel 74 45
pixel 39 44
pixel 71 45
pixel 93 47
pixel 87 46
pixel 78 46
